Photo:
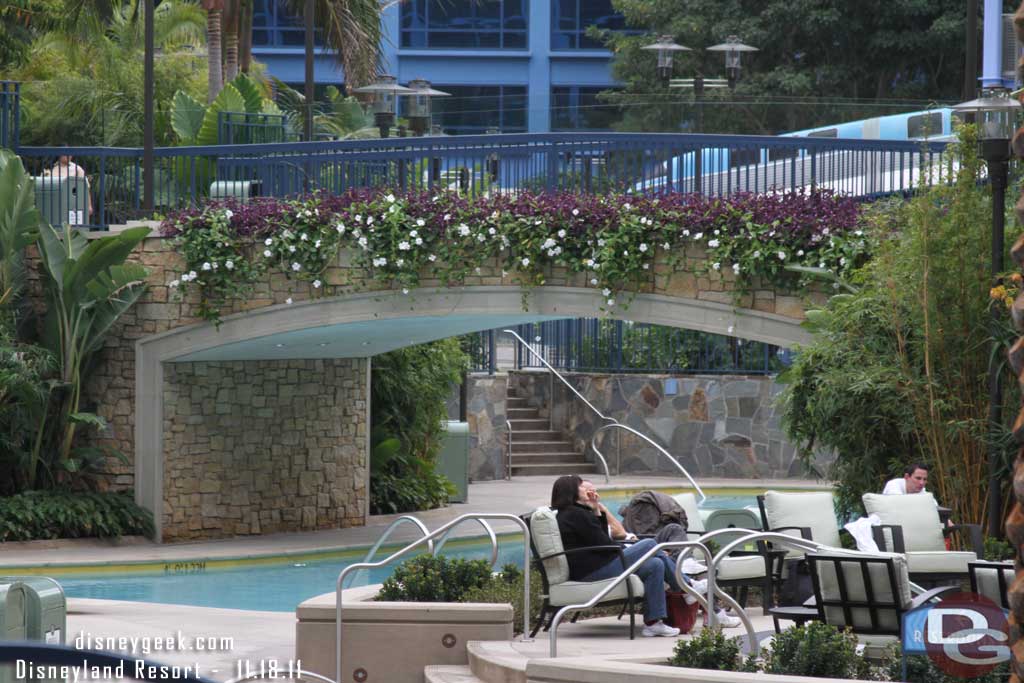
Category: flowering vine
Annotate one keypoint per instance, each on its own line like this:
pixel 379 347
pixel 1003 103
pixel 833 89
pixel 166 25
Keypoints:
pixel 612 240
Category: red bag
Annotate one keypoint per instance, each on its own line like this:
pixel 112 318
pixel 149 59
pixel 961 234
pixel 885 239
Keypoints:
pixel 680 615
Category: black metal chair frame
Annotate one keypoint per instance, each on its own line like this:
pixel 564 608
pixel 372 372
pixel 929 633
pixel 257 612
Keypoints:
pixel 548 609
pixel 973 532
pixel 874 607
pixel 1004 597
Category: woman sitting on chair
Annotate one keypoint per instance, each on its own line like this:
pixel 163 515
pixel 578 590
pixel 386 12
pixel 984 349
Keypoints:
pixel 582 522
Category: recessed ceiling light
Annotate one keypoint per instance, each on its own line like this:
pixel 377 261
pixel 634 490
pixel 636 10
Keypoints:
pixel 280 346
pixel 323 344
pixel 366 343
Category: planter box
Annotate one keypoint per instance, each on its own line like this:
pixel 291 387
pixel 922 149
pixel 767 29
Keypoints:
pixel 391 642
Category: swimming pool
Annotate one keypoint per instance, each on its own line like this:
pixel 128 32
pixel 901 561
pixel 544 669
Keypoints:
pixel 281 586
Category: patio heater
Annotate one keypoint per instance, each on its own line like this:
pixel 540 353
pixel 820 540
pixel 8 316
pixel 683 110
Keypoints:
pixel 995 115
pixel 418 111
pixel 665 48
pixel 733 49
pixel 385 90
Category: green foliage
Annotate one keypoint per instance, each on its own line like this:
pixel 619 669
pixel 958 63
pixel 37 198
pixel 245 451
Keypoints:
pixel 508 587
pixel 710 649
pixel 35 515
pixel 19 226
pixel 897 369
pixel 998 550
pixel 435 579
pixel 921 669
pixel 816 649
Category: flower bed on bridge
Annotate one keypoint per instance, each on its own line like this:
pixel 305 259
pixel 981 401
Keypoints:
pixel 612 239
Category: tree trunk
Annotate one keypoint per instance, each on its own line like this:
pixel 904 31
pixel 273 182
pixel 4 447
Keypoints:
pixel 214 72
pixel 230 29
pixel 245 36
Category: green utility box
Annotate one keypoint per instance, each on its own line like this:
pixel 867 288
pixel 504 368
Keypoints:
pixel 14 609
pixel 242 190
pixel 63 200
pixel 47 608
pixel 453 460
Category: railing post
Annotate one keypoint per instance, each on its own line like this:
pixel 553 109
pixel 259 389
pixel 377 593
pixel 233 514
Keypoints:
pixel 492 353
pixel 698 170
pixel 101 204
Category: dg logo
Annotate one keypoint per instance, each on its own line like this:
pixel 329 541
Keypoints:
pixel 965 634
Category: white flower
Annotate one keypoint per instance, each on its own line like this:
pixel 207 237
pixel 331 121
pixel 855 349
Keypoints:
pixel 611 302
pixel 392 209
pixel 716 265
pixel 266 252
pixel 686 233
pixel 207 266
pixel 561 234
pixel 757 254
pixel 525 262
pixel 362 242
pixel 477 269
pixel 173 283
pixel 504 273
pixel 291 249
pixel 481 238
pixel 307 213
pixel 215 266
pixel 405 290
pixel 463 229
pixel 369 220
pixel 268 241
pixel 413 233
pixel 600 243
pixel 699 236
pixel 593 280
pixel 647 266
pixel 606 291
pixel 404 246
pixel 625 253
pixel 548 243
pixel 842 261
pixel 377 262
pixel 288 301
pixel 341 228
pixel 420 222
pixel 303 237
pixel 357 232
pixel 800 252
pixel 229 264
pixel 627 206
pixel 492 231
pixel 643 247
pixel 400 262
pixel 666 245
pixel 447 216
pixel 781 255
pixel 419 241
pixel 590 263
pixel 821 264
pixel 317 244
pixel 736 268
pixel 359 218
pixel 718 232
pixel 835 285
pixel 296 266
pixel 390 198
pixel 858 233
pixel 575 212
pixel 713 243
pixel 316 284
pixel 228 213
pixel 431 258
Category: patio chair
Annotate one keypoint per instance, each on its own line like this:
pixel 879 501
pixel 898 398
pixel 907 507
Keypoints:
pixel 805 515
pixel 992 580
pixel 910 525
pixel 558 591
pixel 742 568
pixel 865 592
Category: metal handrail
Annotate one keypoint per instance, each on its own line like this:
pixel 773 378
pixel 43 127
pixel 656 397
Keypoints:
pixel 688 545
pixel 490 534
pixel 415 521
pixel 613 422
pixel 508 432
pixel 659 449
pixel 429 537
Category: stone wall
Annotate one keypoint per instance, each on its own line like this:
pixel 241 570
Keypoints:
pixel 263 446
pixel 716 426
pixel 485 413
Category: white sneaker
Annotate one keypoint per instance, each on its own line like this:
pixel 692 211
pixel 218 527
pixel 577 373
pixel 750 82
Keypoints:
pixel 659 628
pixel 726 620
pixel 699 586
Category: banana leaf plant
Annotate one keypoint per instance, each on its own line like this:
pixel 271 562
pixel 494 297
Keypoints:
pixel 19 226
pixel 88 288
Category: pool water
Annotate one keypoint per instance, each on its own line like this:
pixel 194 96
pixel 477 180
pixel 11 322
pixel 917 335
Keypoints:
pixel 281 587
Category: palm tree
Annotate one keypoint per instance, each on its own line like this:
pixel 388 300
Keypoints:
pixel 214 70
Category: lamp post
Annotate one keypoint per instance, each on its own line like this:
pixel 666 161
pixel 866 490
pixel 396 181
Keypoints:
pixel 995 115
pixel 419 105
pixel 148 95
pixel 384 92
pixel 733 49
pixel 665 47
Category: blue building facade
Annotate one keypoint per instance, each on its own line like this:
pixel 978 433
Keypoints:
pixel 515 65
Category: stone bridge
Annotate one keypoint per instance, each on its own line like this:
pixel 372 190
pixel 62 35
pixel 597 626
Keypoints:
pixel 260 425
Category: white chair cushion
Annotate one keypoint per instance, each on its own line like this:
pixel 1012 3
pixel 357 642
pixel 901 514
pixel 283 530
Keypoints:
pixel 916 513
pixel 547 539
pixel 935 562
pixel 688 502
pixel 579 592
pixel 988 582
pixel 814 510
pixel 742 567
pixel 882 589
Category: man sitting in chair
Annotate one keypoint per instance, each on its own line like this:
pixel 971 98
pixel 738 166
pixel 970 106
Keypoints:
pixel 914 479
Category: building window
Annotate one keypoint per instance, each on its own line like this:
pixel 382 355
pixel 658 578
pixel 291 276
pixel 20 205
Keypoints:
pixel 464 24
pixel 472 109
pixel 579 108
pixel 273 26
pixel 571 18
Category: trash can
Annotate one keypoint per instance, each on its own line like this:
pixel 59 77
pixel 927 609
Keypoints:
pixel 242 190
pixel 453 460
pixel 14 610
pixel 47 608
pixel 62 200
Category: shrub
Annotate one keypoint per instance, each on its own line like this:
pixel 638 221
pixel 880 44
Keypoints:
pixel 434 579
pixel 37 515
pixel 921 669
pixel 710 649
pixel 816 649
pixel 507 586
pixel 998 550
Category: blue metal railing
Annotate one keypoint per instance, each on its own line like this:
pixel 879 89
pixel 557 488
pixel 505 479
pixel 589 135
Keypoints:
pixel 10 114
pixel 717 165
pixel 612 345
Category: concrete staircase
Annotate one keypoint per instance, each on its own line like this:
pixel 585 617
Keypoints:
pixel 537 450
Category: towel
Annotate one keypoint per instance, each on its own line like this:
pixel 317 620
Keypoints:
pixel 860 529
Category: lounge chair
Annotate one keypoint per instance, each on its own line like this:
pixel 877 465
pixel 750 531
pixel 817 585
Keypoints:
pixel 743 568
pixel 550 559
pixel 910 525
pixel 992 580
pixel 805 515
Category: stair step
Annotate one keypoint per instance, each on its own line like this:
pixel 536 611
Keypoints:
pixel 521 435
pixel 519 459
pixel 529 424
pixel 516 402
pixel 541 446
pixel 554 469
pixel 449 673
pixel 522 413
